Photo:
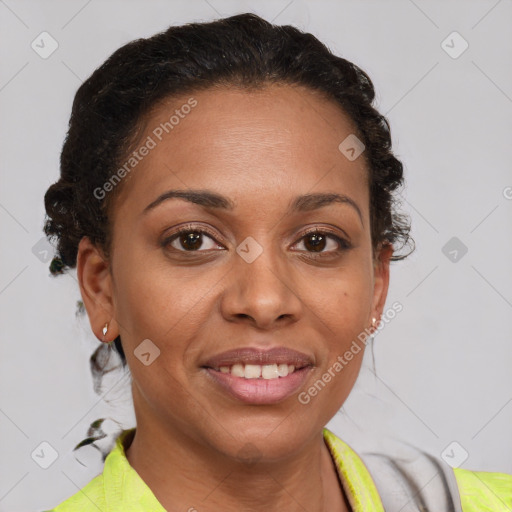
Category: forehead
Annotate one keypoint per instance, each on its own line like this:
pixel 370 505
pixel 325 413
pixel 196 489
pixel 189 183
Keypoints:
pixel 264 143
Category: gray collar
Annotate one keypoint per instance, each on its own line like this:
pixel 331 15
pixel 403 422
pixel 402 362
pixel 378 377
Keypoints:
pixel 411 480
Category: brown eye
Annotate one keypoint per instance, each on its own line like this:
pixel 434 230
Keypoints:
pixel 191 240
pixel 315 242
pixel 323 242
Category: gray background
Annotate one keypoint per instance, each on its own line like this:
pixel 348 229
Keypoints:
pixel 442 365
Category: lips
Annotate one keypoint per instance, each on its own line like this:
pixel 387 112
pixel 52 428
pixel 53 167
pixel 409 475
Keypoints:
pixel 250 355
pixel 284 372
pixel 259 391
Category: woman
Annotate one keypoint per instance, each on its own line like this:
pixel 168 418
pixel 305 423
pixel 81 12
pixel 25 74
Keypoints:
pixel 227 197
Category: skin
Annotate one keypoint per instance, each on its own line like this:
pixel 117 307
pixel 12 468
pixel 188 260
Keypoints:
pixel 260 149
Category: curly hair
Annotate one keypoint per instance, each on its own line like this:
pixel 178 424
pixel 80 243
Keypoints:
pixel 239 51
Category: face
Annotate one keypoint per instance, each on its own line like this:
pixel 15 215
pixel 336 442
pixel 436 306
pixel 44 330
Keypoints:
pixel 246 273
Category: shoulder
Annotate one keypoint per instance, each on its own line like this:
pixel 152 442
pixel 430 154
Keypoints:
pixel 429 483
pixel 89 498
pixel 482 490
pixel 98 492
pixel 408 478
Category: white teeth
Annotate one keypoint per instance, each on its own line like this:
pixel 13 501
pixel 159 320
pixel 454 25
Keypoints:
pixel 256 371
pixel 269 371
pixel 238 370
pixel 252 371
pixel 282 370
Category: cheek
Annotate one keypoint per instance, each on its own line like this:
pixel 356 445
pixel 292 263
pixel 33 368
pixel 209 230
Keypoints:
pixel 342 305
pixel 343 298
pixel 158 300
pixel 343 310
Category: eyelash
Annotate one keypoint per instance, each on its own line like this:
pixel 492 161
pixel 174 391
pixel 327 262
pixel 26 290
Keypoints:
pixel 342 243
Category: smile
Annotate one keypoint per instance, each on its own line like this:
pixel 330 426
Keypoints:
pixel 263 385
pixel 256 371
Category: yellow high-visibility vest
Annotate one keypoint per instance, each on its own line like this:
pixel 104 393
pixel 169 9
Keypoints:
pixel 119 488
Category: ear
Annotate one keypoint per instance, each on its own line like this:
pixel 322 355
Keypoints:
pixel 381 280
pixel 95 280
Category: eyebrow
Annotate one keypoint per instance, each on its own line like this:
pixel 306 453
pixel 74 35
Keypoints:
pixel 209 199
pixel 309 202
pixel 204 198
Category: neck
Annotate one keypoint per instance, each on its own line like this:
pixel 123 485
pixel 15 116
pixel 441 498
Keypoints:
pixel 184 475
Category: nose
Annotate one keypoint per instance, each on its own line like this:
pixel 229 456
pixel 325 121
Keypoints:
pixel 261 293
